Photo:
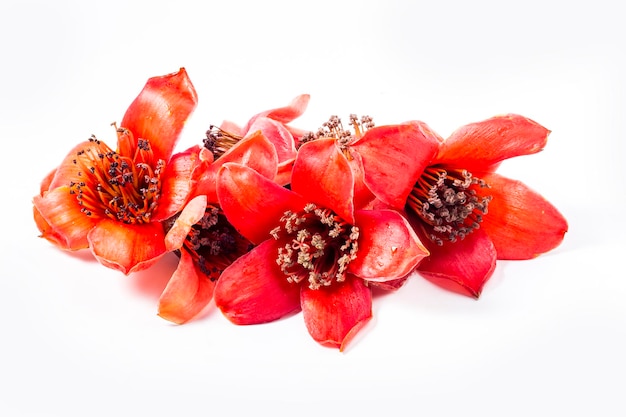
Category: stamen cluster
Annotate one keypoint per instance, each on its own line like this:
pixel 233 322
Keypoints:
pixel 117 186
pixel 333 128
pixel 219 141
pixel 213 242
pixel 318 247
pixel 446 200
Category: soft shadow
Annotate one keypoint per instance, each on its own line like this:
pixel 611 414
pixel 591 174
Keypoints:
pixel 152 281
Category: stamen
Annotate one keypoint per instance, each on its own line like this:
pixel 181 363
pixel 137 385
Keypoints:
pixel 333 128
pixel 117 186
pixel 219 141
pixel 448 203
pixel 317 246
pixel 213 242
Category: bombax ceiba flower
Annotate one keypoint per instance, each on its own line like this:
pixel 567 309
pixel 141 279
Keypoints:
pixel 467 215
pixel 114 201
pixel 202 236
pixel 317 251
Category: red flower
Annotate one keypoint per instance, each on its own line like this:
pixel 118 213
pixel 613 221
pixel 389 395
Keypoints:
pixel 114 201
pixel 316 250
pixel 466 214
pixel 274 126
pixel 201 234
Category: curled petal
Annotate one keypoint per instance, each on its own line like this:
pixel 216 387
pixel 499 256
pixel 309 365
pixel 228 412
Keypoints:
pixel 334 315
pixel 388 247
pixel 521 223
pixel 159 112
pixel 394 157
pixel 463 266
pixel 477 146
pixel 191 214
pixel 278 135
pixel 254 290
pixel 322 175
pixel 252 203
pixel 127 247
pixel 60 220
pixel 187 293
pixel 179 181
pixel 284 114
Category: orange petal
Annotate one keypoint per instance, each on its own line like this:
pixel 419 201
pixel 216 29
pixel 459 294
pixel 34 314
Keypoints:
pixel 187 293
pixel 191 214
pixel 127 247
pixel 521 223
pixel 58 216
pixel 334 315
pixel 179 181
pixel 477 146
pixel 159 112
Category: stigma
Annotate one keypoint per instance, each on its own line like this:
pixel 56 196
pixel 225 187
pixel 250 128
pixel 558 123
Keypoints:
pixel 125 188
pixel 316 246
pixel 449 203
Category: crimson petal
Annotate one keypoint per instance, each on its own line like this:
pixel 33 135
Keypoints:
pixel 477 146
pixel 394 157
pixel 388 246
pixel 322 175
pixel 253 289
pixel 334 315
pixel 463 266
pixel 521 223
pixel 252 203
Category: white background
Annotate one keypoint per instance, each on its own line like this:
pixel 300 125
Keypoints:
pixel 547 336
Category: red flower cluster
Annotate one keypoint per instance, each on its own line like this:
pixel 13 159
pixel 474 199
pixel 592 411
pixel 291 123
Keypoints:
pixel 269 220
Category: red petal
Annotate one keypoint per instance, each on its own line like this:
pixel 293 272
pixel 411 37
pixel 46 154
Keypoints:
pixel 463 266
pixel 284 114
pixel 187 293
pixel 61 221
pixel 520 222
pixel 252 203
pixel 159 112
pixel 254 151
pixel 393 159
pixel 479 145
pixel 278 135
pixel 322 175
pixel 178 183
pixel 388 246
pixel 127 247
pixel 334 315
pixel 253 289
pixel 191 214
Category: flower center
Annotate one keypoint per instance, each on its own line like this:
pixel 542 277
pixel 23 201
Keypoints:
pixel 318 246
pixel 219 141
pixel 213 242
pixel 333 128
pixel 447 202
pixel 117 186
